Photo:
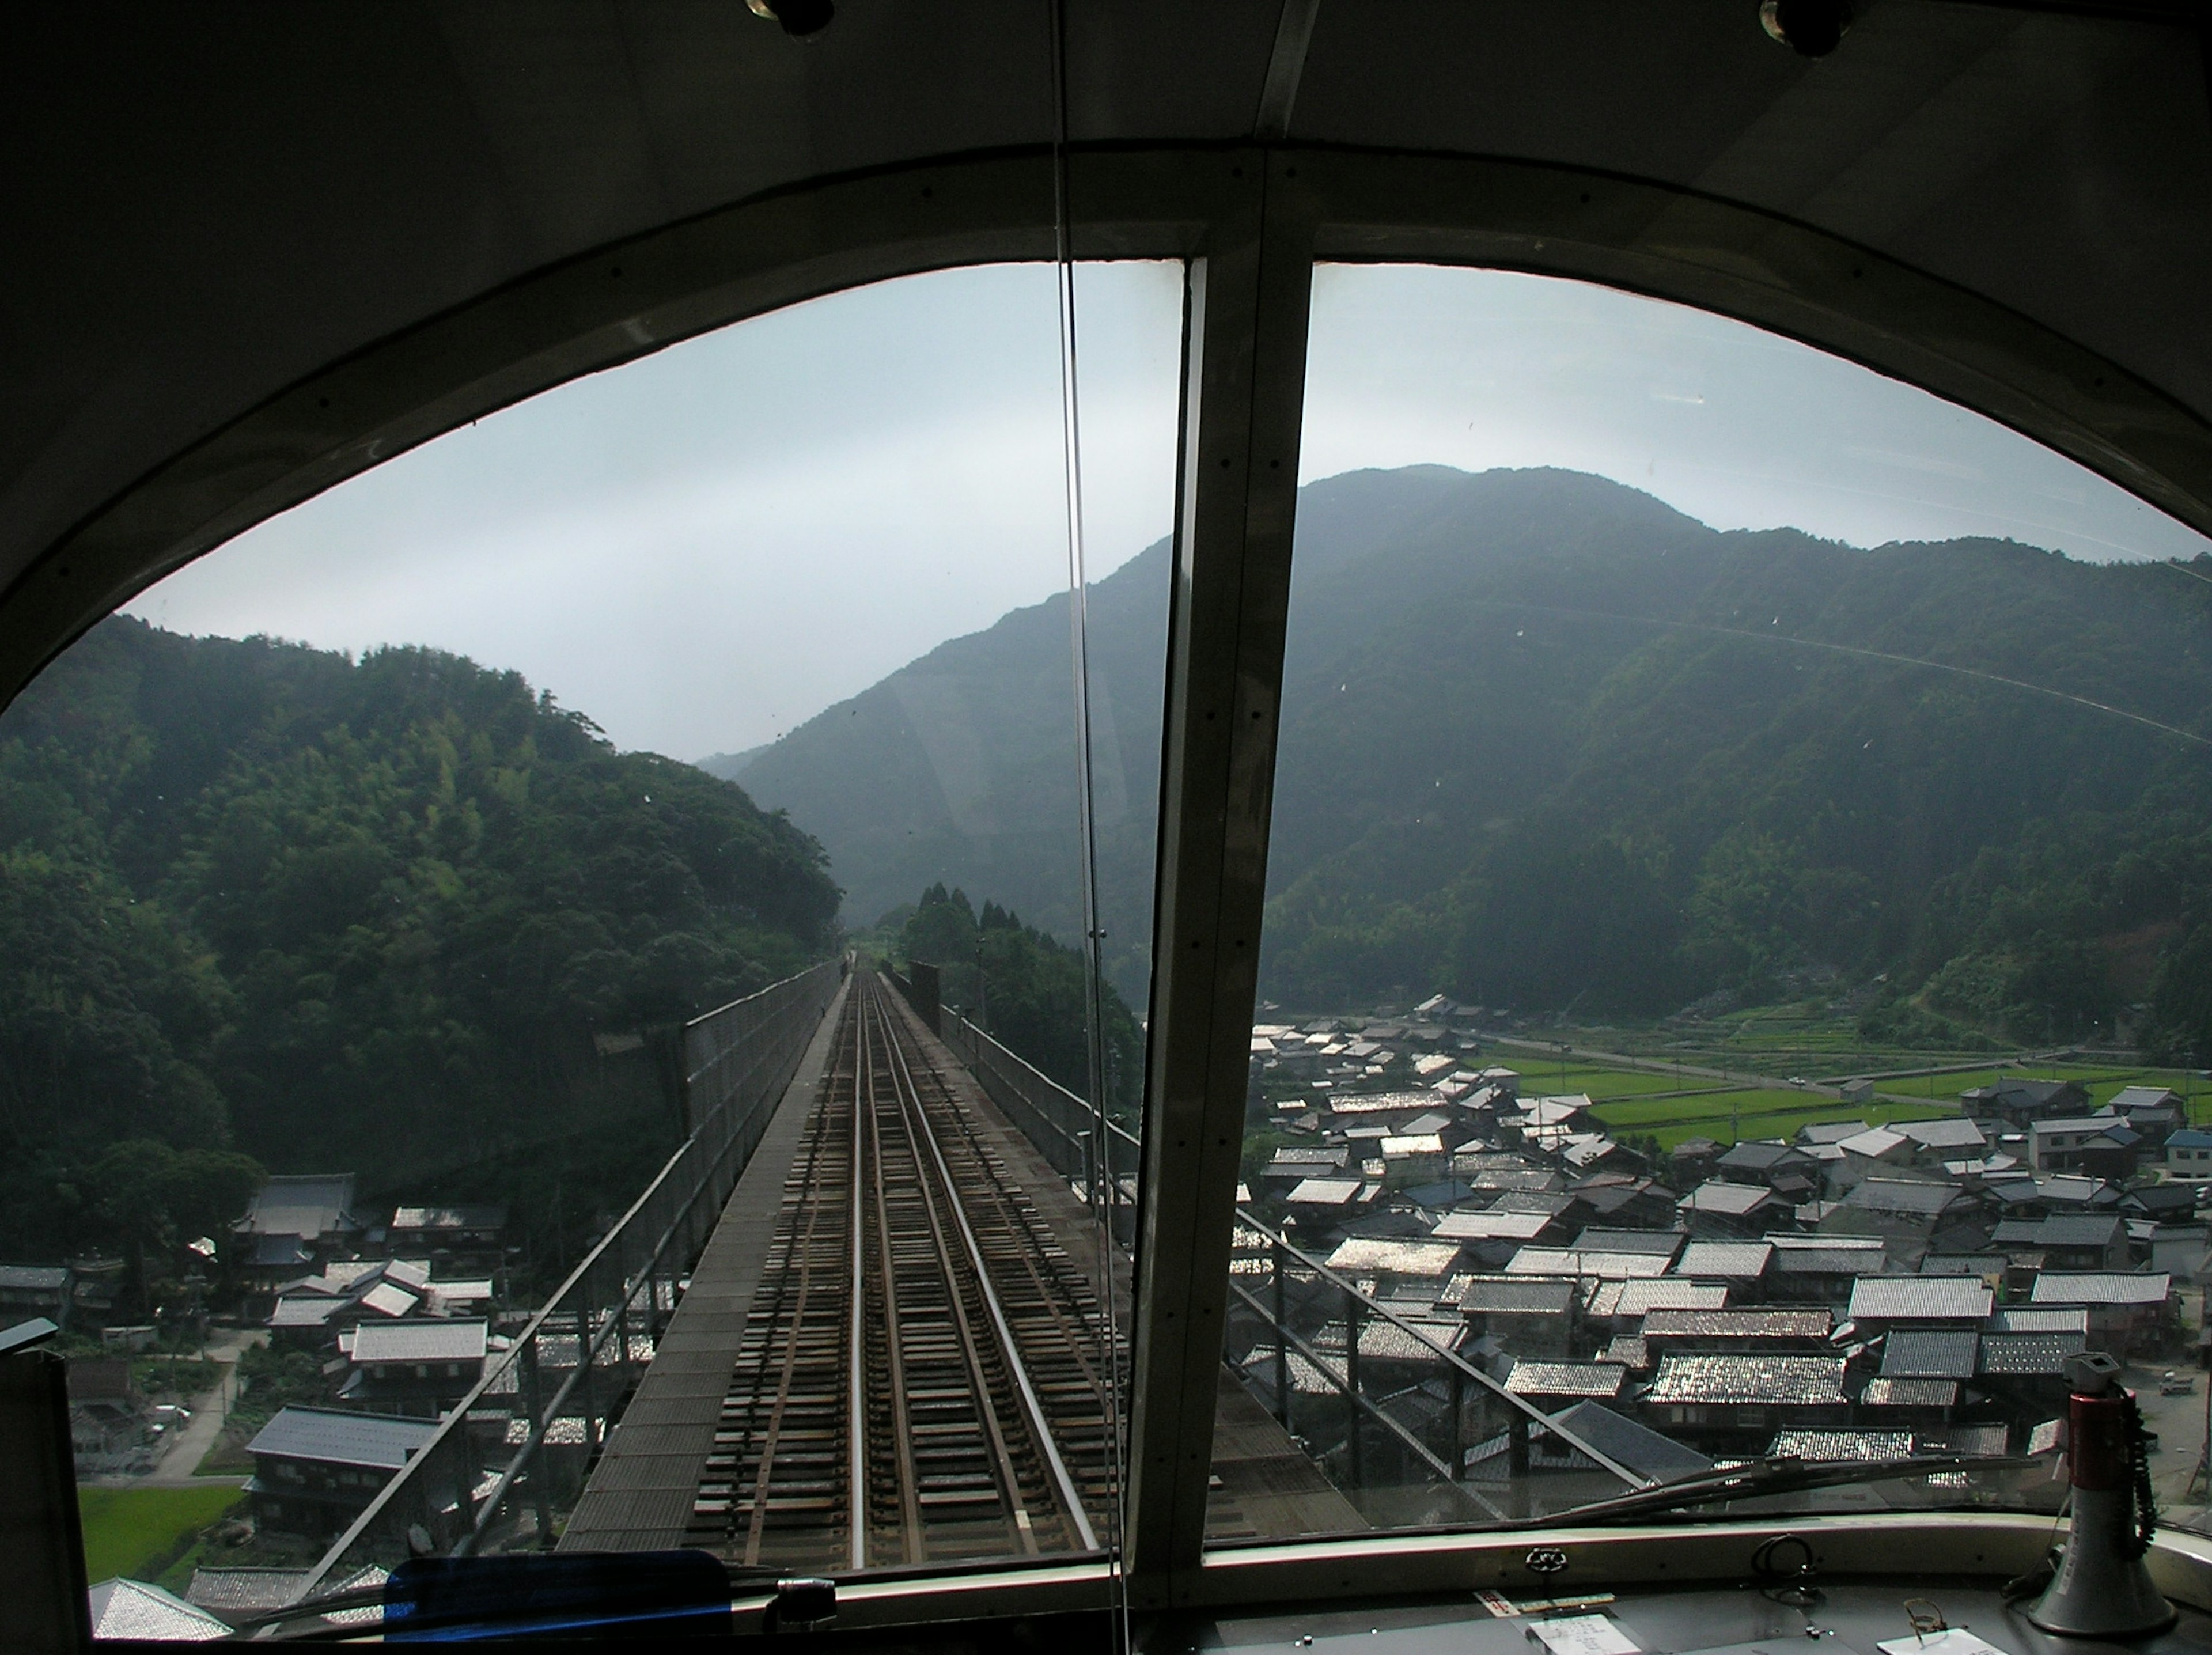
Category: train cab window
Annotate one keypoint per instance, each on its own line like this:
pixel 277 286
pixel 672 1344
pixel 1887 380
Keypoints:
pixel 1737 819
pixel 592 971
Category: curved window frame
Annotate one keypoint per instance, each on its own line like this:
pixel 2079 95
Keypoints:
pixel 1251 223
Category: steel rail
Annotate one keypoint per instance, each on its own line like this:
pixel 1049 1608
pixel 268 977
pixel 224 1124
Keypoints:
pixel 1064 1484
pixel 934 1208
pixel 856 1353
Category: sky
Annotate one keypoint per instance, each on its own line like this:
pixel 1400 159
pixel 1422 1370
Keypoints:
pixel 702 549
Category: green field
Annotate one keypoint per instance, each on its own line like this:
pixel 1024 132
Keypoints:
pixel 141 1532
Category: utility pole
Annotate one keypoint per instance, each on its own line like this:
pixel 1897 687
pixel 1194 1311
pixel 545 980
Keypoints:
pixel 983 994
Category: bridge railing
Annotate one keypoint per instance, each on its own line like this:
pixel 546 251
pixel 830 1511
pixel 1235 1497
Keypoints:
pixel 1298 1331
pixel 1059 1125
pixel 507 1465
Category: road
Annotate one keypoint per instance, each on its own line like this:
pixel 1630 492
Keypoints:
pixel 184 1450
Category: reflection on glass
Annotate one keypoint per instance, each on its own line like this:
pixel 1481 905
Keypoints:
pixel 487 1132
pixel 1728 991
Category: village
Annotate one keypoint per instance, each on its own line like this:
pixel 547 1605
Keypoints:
pixel 1853 1292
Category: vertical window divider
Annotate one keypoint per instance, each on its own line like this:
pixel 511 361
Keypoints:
pixel 1244 352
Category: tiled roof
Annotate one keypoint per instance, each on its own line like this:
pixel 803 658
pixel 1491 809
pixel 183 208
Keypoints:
pixel 2101 1288
pixel 1731 1200
pixel 34 1278
pixel 1929 1353
pixel 307 1311
pixel 1908 1196
pixel 2065 1230
pixel 1803 1380
pixel 2029 1354
pixel 1840 1445
pixel 131 1609
pixel 245 1591
pixel 1949 1133
pixel 1738 1324
pixel 1641 1449
pixel 1423 1258
pixel 1825 1261
pixel 336 1437
pixel 1636 1299
pixel 1629 1350
pixel 1566 1379
pixel 1910 1393
pixel 1921 1298
pixel 449 1218
pixel 1325 1192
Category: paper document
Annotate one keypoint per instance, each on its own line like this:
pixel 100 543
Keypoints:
pixel 1584 1634
pixel 1957 1641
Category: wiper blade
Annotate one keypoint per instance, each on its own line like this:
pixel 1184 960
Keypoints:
pixel 1756 1478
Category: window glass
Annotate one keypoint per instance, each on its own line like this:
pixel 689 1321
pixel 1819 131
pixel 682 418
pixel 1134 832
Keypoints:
pixel 1738 948
pixel 415 910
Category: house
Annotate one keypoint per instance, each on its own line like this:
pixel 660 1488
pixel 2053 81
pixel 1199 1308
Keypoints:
pixel 1718 1208
pixel 2070 1241
pixel 2101 1145
pixel 2155 1112
pixel 315 1469
pixel 460 1238
pixel 1532 1316
pixel 2130 1314
pixel 1876 1150
pixel 107 1423
pixel 1783 1168
pixel 2188 1153
pixel 293 1223
pixel 1625 1200
pixel 1739 1400
pixel 1904 1212
pixel 1821 1270
pixel 1622 1305
pixel 1553 1385
pixel 1946 1353
pixel 2015 1103
pixel 1945 1140
pixel 416 1367
pixel 29 1290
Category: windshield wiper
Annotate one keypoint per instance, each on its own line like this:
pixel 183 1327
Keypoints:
pixel 1756 1478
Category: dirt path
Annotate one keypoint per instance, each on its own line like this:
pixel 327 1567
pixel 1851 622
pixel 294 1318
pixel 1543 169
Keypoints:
pixel 184 1450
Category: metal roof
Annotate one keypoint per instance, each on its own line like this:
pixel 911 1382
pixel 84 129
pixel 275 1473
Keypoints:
pixel 1596 1240
pixel 1807 1381
pixel 1521 1294
pixel 1325 1192
pixel 2102 1287
pixel 1492 1225
pixel 1921 1298
pixel 1735 1260
pixel 419 1341
pixel 1641 1449
pixel 2029 1354
pixel 337 1437
pixel 1566 1379
pixel 1910 1393
pixel 1741 1322
pixel 2039 1318
pixel 1567 1261
pixel 1735 1200
pixel 2062 1230
pixel 1905 1196
pixel 1929 1353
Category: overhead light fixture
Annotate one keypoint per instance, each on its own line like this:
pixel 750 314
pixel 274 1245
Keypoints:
pixel 798 17
pixel 1811 28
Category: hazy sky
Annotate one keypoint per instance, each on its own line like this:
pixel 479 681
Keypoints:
pixel 705 548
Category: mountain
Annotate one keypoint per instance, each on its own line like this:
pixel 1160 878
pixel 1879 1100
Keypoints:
pixel 1547 742
pixel 359 915
pixel 728 767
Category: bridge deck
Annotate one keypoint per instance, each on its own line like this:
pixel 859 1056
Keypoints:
pixel 640 1493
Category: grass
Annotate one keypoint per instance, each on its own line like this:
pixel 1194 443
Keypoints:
pixel 141 1532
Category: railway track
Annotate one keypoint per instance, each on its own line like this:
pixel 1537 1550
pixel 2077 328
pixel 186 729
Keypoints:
pixel 923 1376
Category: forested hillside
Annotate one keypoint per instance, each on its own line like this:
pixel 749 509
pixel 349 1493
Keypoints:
pixel 344 915
pixel 1549 744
